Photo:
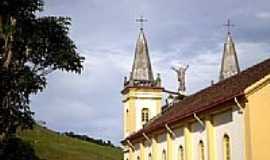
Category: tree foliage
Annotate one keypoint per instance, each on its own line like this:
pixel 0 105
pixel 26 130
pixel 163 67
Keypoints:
pixel 31 47
pixel 89 139
pixel 14 148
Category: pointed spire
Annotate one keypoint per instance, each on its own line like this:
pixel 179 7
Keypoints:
pixel 229 63
pixel 142 74
pixel 141 69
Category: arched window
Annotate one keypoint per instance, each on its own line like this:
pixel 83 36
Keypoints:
pixel 163 155
pixel 127 120
pixel 181 153
pixel 149 156
pixel 226 147
pixel 145 115
pixel 201 151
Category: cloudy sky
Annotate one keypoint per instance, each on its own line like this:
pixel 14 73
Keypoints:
pixel 178 32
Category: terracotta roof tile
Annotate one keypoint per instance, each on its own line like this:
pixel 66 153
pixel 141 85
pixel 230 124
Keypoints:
pixel 208 98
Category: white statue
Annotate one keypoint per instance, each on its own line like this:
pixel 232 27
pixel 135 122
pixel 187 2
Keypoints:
pixel 181 74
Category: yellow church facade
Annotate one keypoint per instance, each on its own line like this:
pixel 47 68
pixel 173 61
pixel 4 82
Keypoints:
pixel 228 120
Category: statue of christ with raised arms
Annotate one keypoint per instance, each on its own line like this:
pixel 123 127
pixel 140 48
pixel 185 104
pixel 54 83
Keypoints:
pixel 181 74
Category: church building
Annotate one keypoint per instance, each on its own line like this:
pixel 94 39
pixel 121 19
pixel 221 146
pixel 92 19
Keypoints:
pixel 228 120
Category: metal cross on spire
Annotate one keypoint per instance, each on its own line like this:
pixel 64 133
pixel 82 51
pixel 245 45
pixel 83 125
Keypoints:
pixel 229 25
pixel 141 20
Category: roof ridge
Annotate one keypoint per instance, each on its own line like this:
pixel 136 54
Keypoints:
pixel 228 79
pixel 210 97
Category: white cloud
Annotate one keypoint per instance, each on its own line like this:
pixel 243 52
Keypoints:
pixel 252 53
pixel 105 32
pixel 263 15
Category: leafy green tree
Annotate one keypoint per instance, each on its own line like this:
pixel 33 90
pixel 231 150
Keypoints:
pixel 14 148
pixel 31 47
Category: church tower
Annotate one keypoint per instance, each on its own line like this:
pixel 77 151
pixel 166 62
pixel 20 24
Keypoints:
pixel 142 94
pixel 229 63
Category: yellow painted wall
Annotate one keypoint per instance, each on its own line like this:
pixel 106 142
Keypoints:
pixel 257 127
pixel 211 141
pixel 133 95
pixel 154 149
pixel 142 151
pixel 257 121
pixel 188 143
pixel 131 155
pixel 131 119
pixel 158 105
pixel 170 146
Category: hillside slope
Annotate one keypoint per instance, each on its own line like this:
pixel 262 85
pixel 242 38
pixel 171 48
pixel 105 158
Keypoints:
pixel 50 145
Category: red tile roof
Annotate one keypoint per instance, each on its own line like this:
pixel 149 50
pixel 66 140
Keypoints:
pixel 208 98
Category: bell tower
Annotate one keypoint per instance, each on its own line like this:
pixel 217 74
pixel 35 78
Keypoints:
pixel 142 94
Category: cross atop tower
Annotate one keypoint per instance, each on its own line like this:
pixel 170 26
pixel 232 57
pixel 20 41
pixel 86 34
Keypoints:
pixel 229 25
pixel 229 62
pixel 141 20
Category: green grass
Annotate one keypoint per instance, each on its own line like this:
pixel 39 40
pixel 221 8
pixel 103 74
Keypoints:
pixel 50 145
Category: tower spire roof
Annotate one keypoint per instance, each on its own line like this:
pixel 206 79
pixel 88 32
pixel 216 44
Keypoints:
pixel 141 69
pixel 229 63
pixel 141 74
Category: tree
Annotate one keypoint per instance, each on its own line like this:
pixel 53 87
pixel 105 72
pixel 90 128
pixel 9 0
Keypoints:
pixel 14 148
pixel 31 47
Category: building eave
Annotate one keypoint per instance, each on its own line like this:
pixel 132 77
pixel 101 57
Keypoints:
pixel 125 90
pixel 175 120
pixel 211 98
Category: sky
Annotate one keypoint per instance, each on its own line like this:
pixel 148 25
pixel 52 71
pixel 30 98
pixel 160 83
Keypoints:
pixel 178 32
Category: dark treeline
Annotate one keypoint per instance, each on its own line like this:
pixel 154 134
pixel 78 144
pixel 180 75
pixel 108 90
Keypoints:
pixel 13 148
pixel 89 139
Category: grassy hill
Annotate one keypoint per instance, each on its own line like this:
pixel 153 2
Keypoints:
pixel 50 145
